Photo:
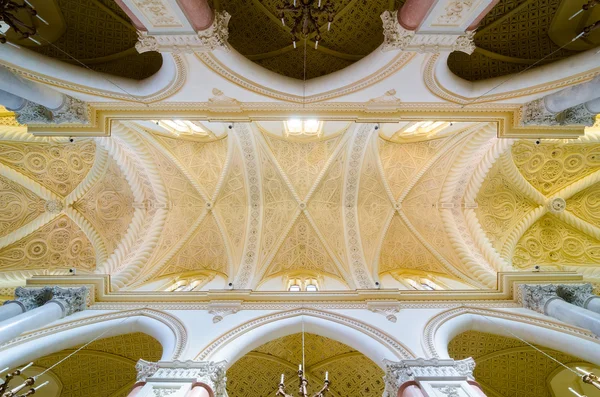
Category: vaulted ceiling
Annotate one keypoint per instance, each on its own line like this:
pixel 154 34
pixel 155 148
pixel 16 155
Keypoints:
pixel 258 373
pixel 519 34
pixel 507 367
pixel 251 204
pixel 256 31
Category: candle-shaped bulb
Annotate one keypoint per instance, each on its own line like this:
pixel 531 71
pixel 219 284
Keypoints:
pixel 582 371
pixel 283 21
pixel 42 385
pixel 299 367
pixel 294 3
pixel 282 378
pixel 574 392
pixel 326 375
pixel 4 370
pixel 316 44
pixel 319 3
pixel 25 367
pixel 294 44
pixel 328 26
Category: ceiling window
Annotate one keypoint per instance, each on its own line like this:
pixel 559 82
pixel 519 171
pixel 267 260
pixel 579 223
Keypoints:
pixel 185 127
pixel 299 127
pixel 294 288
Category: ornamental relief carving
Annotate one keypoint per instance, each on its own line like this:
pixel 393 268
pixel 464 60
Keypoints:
pixel 18 206
pixel 58 167
pixel 60 243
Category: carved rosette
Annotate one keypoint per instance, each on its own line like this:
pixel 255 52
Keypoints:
pixel 556 205
pixel 72 300
pixel 207 372
pixel 403 371
pixel 30 298
pixel 577 294
pixel 53 206
pixel 536 296
pixel 398 38
pixel 213 38
pixel 536 113
pixel 72 111
pixel 33 113
pixel 577 115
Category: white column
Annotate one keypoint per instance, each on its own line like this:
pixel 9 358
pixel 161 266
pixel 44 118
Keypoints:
pixel 10 101
pixel 581 295
pixel 573 96
pixel 25 299
pixel 29 90
pixel 543 298
pixel 136 389
pixel 65 301
pixel 33 319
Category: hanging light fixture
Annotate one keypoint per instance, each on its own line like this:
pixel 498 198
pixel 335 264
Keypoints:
pixel 302 381
pixel 306 15
pixel 29 382
pixel 11 17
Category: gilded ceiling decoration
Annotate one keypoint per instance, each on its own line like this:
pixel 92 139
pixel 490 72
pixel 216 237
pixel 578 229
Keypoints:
pixel 256 207
pixel 255 30
pixel 99 34
pixel 507 367
pixel 108 362
pixel 258 372
pixel 511 37
pixel 537 204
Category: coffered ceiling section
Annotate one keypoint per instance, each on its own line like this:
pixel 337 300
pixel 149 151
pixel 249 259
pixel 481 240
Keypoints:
pixel 96 33
pixel 258 373
pixel 256 31
pixel 258 203
pixel 518 34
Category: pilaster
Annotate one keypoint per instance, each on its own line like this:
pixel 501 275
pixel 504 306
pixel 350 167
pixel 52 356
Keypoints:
pixel 176 378
pixel 437 377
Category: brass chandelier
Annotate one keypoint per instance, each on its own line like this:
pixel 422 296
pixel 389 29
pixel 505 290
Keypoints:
pixel 11 17
pixel 302 386
pixel 14 392
pixel 306 15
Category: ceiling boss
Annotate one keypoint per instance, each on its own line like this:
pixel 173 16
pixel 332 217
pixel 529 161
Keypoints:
pixel 306 15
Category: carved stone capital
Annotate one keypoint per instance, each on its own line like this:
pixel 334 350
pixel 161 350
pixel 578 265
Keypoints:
pixel 398 38
pixel 220 310
pixel 206 372
pixel 30 298
pixel 33 113
pixel 72 300
pixel 213 38
pixel 577 294
pixel 537 296
pixel 577 115
pixel 536 113
pixel 387 309
pixel 72 111
pixel 403 371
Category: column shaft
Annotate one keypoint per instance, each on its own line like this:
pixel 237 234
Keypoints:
pixel 411 391
pixel 594 304
pixel 573 315
pixel 33 319
pixel 136 389
pixel 10 101
pixel 11 309
pixel 29 90
pixel 198 391
pixel 573 96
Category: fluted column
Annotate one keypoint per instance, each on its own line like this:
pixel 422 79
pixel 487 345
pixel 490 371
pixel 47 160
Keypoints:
pixel 64 302
pixel 581 295
pixel 420 377
pixel 25 299
pixel 543 299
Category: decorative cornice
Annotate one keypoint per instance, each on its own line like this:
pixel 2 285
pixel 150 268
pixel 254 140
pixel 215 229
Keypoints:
pixel 208 373
pixel 213 38
pixel 403 371
pixel 398 38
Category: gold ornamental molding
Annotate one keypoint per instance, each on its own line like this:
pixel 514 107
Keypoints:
pixel 103 297
pixel 506 116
